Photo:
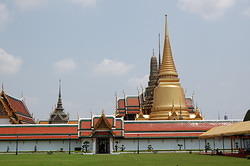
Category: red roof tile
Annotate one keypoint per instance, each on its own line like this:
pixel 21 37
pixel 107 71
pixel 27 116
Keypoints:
pixel 38 130
pixel 132 101
pixel 19 107
pixel 39 137
pixel 168 126
pixel 121 104
pixel 85 124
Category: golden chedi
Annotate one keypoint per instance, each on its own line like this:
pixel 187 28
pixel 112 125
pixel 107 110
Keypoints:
pixel 169 98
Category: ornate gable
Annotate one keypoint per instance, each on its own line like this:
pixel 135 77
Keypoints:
pixel 103 124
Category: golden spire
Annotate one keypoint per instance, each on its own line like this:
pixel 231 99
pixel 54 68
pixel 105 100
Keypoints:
pixel 168 68
pixel 169 96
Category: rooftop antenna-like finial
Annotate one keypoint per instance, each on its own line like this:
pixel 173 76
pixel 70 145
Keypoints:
pixel 60 82
pixel 139 99
pixel 159 36
pixel 2 87
pixel 166 25
pixel 142 92
pixel 116 104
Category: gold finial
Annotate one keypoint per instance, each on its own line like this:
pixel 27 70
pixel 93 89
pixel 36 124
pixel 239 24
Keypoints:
pixel 166 25
pixel 159 36
pixel 168 68
pixel 140 116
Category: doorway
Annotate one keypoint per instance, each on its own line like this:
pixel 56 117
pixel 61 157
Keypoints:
pixel 102 145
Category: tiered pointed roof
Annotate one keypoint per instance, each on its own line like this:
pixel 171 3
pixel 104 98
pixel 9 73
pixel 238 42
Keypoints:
pixel 58 115
pixel 168 68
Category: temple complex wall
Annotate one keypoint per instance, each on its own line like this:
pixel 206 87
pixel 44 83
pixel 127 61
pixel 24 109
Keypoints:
pixel 129 144
pixel 172 144
pixel 39 145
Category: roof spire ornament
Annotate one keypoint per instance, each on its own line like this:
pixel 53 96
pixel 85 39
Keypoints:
pixel 168 91
pixel 2 87
pixel 58 115
pixel 60 82
pixel 159 36
pixel 168 69
pixel 59 106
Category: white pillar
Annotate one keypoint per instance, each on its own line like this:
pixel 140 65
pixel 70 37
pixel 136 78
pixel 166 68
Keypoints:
pixel 94 145
pixel 111 144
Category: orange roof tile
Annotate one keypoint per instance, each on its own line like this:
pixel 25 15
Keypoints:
pixel 146 126
pixel 121 104
pixel 132 101
pixel 20 108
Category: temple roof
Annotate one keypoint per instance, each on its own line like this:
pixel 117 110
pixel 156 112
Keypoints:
pixel 120 128
pixel 132 101
pixel 17 108
pixel 38 131
pixel 18 105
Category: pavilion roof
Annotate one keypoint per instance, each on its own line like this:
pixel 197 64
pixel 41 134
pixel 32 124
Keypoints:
pixel 240 128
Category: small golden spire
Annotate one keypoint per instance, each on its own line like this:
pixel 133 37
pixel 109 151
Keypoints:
pixel 168 68
pixel 159 45
pixel 140 116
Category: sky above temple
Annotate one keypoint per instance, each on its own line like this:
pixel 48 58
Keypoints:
pixel 99 47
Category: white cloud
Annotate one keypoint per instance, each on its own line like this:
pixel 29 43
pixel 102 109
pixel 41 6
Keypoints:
pixel 246 12
pixel 85 3
pixel 29 4
pixel 8 63
pixel 4 14
pixel 65 65
pixel 112 67
pixel 139 81
pixel 208 9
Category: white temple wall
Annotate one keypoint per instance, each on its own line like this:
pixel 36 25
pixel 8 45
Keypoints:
pixel 53 145
pixel 129 144
pixel 172 144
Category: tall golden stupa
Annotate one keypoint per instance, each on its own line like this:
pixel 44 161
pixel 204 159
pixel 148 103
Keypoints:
pixel 169 97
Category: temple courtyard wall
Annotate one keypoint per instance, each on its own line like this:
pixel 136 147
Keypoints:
pixel 126 144
pixel 39 145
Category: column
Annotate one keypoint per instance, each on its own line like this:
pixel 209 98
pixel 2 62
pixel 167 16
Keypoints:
pixel 94 145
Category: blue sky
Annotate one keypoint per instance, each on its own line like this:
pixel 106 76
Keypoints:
pixel 99 47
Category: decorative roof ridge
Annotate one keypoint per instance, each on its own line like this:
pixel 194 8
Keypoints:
pixel 15 98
